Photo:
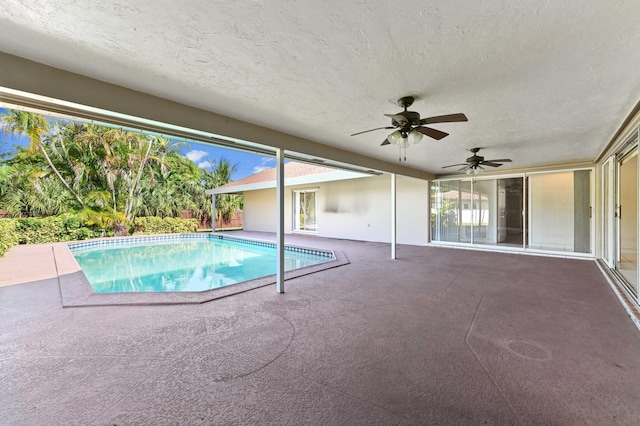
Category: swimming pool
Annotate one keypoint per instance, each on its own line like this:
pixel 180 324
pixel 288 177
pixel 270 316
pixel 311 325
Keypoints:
pixel 184 262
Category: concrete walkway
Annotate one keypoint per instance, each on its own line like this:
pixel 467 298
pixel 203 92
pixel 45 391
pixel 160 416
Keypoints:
pixel 439 336
pixel 27 263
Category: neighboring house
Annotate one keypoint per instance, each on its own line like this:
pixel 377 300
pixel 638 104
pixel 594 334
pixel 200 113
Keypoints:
pixel 334 203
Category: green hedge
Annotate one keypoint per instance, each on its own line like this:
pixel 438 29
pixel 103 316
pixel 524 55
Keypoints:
pixel 69 227
pixel 9 237
pixel 32 230
pixel 167 225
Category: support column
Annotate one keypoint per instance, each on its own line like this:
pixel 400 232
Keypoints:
pixel 213 213
pixel 393 215
pixel 280 216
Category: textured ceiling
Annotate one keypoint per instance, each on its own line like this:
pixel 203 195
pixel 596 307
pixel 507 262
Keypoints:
pixel 541 81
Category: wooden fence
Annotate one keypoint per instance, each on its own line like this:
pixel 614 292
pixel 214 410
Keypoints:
pixel 236 221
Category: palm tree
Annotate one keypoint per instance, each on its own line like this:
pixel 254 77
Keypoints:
pixel 220 174
pixel 33 126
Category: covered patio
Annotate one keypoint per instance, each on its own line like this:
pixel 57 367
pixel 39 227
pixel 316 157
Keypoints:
pixel 438 336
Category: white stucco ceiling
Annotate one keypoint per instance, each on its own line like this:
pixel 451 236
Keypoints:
pixel 540 81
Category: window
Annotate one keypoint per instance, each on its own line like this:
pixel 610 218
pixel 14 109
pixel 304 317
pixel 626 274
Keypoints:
pixel 304 210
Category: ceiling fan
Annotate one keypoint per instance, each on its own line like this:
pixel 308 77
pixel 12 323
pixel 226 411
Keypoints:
pixel 475 163
pixel 410 127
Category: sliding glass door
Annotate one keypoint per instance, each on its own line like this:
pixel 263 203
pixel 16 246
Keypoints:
pixel 451 211
pixel 627 215
pixel 479 211
pixel 548 211
pixel 560 211
pixel 304 211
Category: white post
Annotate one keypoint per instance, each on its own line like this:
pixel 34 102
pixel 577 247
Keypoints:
pixel 213 213
pixel 393 215
pixel 280 216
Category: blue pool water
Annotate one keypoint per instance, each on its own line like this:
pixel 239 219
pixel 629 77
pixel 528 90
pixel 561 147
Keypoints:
pixel 183 263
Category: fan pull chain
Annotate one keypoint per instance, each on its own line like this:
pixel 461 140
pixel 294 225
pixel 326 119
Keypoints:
pixel 402 150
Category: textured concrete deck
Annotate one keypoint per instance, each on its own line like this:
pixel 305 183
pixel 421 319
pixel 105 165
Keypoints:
pixel 439 336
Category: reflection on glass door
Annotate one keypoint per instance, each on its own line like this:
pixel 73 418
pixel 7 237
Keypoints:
pixel 483 214
pixel 627 212
pixel 451 214
pixel 510 205
pixel 497 212
pixel 304 211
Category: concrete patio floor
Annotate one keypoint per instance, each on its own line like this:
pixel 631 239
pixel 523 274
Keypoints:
pixel 438 336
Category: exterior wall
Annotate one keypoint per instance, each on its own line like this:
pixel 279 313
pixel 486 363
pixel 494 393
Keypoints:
pixel 412 210
pixel 357 209
pixel 260 210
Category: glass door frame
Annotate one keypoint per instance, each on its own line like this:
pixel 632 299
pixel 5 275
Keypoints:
pixel 608 212
pixel 629 150
pixel 296 210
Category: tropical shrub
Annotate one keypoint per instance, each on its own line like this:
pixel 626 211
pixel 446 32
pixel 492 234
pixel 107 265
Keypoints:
pixel 9 236
pixel 71 227
pixel 167 225
pixel 33 230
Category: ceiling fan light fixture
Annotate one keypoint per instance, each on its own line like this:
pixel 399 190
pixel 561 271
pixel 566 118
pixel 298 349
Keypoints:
pixel 409 127
pixel 415 136
pixel 404 141
pixel 395 137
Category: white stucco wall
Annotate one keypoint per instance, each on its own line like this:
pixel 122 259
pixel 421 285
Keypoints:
pixel 358 209
pixel 260 210
pixel 412 210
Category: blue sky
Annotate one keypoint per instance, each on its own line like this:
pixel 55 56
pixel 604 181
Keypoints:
pixel 200 153
pixel 247 163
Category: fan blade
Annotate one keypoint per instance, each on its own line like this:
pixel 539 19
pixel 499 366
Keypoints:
pixel 491 164
pixel 502 160
pixel 467 167
pixel 449 118
pixel 453 165
pixel 371 130
pixel 432 133
pixel 386 142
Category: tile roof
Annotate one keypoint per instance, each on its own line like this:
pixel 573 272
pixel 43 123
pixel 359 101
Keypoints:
pixel 292 169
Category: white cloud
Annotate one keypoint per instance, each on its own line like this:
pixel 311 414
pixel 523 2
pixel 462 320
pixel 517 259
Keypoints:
pixel 204 165
pixel 258 169
pixel 196 155
pixel 265 163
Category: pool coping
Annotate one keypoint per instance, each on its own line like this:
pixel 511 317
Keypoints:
pixel 75 290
